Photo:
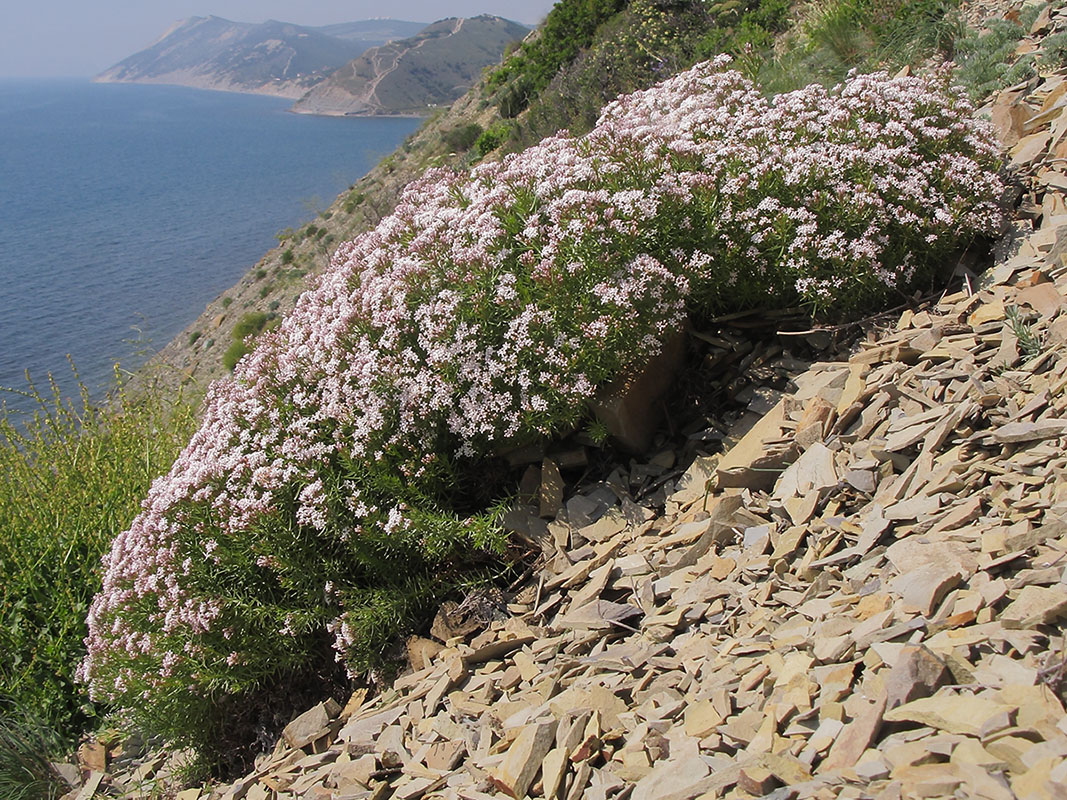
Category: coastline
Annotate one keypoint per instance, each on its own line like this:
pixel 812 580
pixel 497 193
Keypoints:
pixel 268 91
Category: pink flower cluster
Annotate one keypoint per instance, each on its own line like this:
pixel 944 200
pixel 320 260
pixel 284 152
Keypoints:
pixel 491 305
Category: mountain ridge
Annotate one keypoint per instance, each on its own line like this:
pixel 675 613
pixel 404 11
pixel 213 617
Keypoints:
pixel 273 57
pixel 433 68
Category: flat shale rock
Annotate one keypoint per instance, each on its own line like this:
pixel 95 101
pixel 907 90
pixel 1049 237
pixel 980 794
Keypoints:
pixel 523 760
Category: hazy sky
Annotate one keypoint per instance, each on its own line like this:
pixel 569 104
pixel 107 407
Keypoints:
pixel 75 37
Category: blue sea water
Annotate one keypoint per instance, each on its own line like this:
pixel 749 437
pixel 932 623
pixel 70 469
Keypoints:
pixel 124 209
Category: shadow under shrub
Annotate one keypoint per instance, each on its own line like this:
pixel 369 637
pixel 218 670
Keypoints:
pixel 320 492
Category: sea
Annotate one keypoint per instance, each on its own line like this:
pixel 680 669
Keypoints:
pixel 125 209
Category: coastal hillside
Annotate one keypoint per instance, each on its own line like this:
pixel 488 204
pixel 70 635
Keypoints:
pixel 413 75
pixel 695 452
pixel 275 58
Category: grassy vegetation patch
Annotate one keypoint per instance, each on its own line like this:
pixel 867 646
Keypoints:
pixel 74 475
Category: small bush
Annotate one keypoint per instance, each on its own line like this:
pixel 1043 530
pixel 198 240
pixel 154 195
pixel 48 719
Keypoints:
pixel 568 27
pixel 247 327
pixel 462 138
pixel 194 337
pixel 226 301
pixel 986 59
pixel 260 274
pixel 234 353
pixel 492 138
pixel 250 324
pixel 1054 51
pixel 636 47
pixel 515 98
pixel 342 479
pixel 353 201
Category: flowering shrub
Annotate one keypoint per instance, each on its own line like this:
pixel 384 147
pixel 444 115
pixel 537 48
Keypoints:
pixel 486 310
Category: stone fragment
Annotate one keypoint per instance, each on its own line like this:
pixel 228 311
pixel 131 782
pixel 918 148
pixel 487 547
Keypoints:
pixel 1035 605
pixel 553 771
pixel 631 407
pixel 600 614
pixel 1044 298
pixel 1015 432
pixel 92 755
pixel 955 713
pixel 911 554
pixel 718 529
pixel 693 484
pixel 358 772
pixel 313 724
pixel 788 769
pixel 922 590
pixel 92 783
pixel 670 779
pixel 550 495
pixel 917 673
pixel 756 779
pixel 421 651
pixel 1009 116
pixel 1030 148
pixel 750 463
pixel 928 780
pixel 855 737
pixel 814 471
pixel 523 759
pixel 701 719
pixel 604 528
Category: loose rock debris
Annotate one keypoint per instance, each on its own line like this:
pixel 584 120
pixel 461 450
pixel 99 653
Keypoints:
pixel 864 596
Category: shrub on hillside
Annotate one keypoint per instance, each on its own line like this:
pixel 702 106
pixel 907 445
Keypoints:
pixel 339 468
pixel 462 138
pixel 490 139
pixel 247 327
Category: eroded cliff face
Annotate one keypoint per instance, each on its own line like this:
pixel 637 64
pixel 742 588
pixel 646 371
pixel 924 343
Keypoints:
pixel 413 76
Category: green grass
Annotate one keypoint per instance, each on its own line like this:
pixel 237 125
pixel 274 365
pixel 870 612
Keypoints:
pixel 490 139
pixel 27 744
pixel 73 476
pixel 835 36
